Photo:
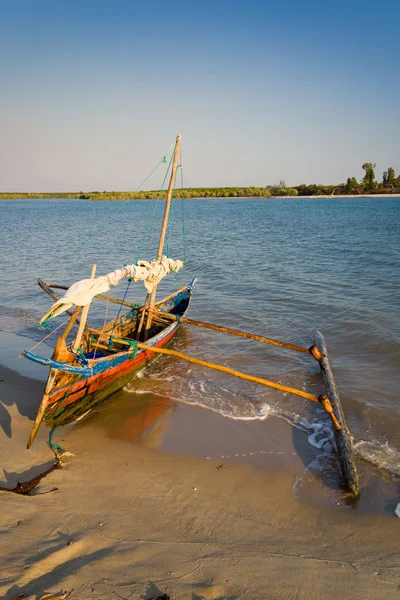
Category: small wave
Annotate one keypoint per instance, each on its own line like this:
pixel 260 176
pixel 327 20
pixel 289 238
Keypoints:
pixel 320 436
pixel 236 405
pixel 380 455
pixel 258 413
pixel 16 320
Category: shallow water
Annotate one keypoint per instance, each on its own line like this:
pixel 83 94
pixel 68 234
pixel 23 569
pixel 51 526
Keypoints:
pixel 280 268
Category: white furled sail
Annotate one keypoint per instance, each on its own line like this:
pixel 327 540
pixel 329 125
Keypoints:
pixel 82 292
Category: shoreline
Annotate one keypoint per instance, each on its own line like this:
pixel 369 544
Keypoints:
pixel 150 503
pixel 359 196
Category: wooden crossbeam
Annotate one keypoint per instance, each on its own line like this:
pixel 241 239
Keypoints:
pixel 222 369
pixel 251 336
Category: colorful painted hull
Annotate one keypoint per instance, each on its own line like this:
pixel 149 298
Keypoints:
pixel 104 376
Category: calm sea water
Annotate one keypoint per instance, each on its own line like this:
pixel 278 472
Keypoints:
pixel 280 268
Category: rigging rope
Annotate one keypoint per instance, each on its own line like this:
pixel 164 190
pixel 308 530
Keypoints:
pixel 180 166
pixel 145 236
pixel 45 338
pixel 171 216
pixel 154 210
pixel 114 213
pixel 183 210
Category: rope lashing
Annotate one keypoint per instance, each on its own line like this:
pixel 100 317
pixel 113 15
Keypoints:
pixel 327 404
pixel 134 346
pixel 129 278
pixel 131 343
pixel 80 356
pixel 134 309
pixel 313 350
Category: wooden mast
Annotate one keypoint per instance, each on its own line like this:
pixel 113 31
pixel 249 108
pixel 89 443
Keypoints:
pixel 164 226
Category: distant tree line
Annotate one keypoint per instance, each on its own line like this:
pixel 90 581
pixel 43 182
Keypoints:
pixel 368 184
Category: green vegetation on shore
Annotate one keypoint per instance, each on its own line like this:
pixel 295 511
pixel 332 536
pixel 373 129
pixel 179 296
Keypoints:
pixel 368 185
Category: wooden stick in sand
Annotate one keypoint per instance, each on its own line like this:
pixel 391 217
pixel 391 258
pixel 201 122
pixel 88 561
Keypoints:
pixel 84 316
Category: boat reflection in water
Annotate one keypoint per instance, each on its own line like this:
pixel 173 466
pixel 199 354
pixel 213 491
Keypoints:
pixel 143 420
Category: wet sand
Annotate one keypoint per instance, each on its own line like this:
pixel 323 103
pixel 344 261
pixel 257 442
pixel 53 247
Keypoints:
pixel 164 497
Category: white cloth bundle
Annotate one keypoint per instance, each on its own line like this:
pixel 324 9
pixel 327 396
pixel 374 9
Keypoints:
pixel 82 292
pixel 152 273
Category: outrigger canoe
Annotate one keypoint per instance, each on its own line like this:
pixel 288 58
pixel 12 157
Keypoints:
pixel 73 390
pixel 101 361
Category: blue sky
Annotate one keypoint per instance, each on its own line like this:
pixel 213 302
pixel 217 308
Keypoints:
pixel 93 93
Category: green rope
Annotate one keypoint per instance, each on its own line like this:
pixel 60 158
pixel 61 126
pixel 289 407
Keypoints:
pixel 154 210
pixel 133 345
pixel 143 242
pixel 80 353
pixel 50 442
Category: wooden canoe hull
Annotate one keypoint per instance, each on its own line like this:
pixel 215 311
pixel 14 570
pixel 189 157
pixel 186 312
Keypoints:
pixel 86 387
pixel 70 402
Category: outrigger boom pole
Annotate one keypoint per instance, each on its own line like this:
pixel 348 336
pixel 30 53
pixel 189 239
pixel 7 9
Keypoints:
pixel 251 336
pixel 323 400
pixel 330 402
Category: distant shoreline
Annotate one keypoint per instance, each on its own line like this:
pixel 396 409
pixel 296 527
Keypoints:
pixel 55 196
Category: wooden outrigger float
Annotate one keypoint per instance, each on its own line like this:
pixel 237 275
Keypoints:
pixel 343 441
pixel 101 361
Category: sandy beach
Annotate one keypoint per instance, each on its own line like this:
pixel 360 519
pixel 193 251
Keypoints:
pixel 148 503
pixel 200 340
